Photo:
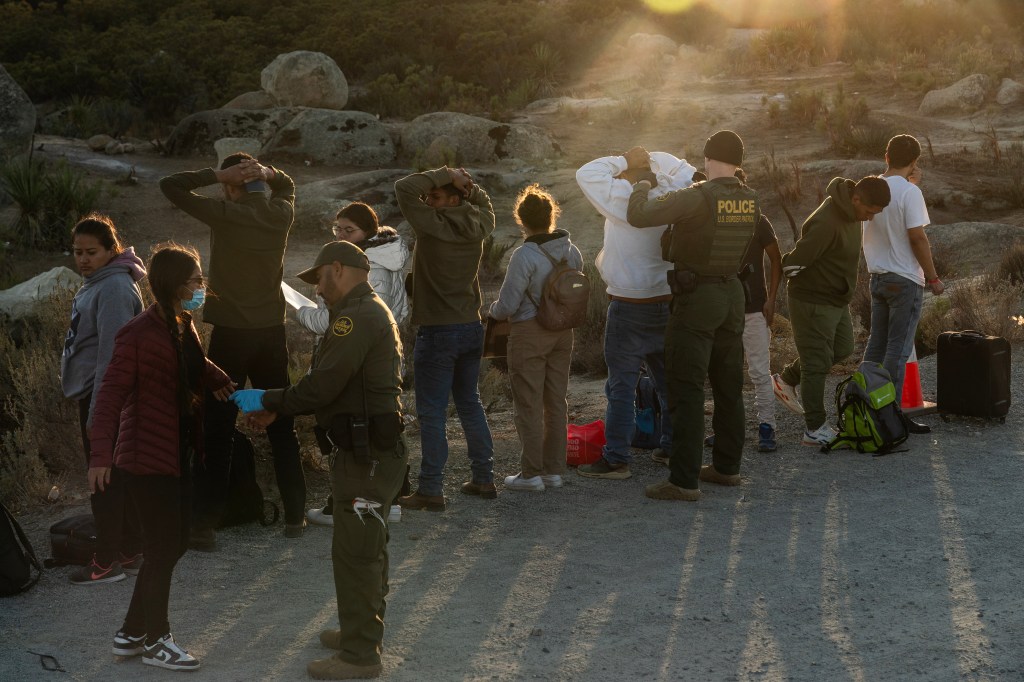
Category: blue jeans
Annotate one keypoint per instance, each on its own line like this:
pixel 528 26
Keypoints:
pixel 446 361
pixel 895 311
pixel 633 335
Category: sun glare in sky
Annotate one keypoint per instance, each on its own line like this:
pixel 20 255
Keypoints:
pixel 670 6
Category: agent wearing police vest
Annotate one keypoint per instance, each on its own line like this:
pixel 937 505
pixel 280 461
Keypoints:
pixel 353 388
pixel 713 222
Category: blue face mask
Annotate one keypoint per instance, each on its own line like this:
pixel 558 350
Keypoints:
pixel 196 302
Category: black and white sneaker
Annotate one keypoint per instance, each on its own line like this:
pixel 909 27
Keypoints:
pixel 128 645
pixel 167 654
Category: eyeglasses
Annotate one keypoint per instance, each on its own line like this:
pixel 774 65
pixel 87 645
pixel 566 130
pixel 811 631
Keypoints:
pixel 346 231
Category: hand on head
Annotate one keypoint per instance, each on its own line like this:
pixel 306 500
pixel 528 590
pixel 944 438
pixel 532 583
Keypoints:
pixel 638 157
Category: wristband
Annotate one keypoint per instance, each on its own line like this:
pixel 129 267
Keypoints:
pixel 933 281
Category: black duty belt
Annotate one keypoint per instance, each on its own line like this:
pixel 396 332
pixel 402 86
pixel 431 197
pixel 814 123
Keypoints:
pixel 711 279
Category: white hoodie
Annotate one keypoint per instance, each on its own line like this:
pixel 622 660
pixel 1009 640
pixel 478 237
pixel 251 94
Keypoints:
pixel 630 261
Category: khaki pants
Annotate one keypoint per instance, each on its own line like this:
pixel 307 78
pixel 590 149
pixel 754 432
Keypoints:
pixel 538 367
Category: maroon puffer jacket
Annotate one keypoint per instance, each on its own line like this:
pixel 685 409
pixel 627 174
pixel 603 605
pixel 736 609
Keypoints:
pixel 139 391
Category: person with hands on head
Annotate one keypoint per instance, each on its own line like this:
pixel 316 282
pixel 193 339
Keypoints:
pixel 248 235
pixel 147 423
pixel 108 298
pixel 632 267
pixel 451 217
pixel 354 390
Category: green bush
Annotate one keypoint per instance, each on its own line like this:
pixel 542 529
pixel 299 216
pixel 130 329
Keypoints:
pixel 49 201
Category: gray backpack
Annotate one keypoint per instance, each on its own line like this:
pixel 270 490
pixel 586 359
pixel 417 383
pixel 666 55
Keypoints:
pixel 869 413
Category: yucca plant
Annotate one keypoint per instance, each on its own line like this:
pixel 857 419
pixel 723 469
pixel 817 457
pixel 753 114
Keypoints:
pixel 24 181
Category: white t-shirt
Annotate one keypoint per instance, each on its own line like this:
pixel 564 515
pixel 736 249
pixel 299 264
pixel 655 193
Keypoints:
pixel 886 243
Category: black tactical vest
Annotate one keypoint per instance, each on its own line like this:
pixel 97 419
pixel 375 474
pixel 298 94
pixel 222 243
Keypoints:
pixel 717 246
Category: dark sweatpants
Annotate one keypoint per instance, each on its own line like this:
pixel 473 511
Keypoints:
pixel 261 357
pixel 117 521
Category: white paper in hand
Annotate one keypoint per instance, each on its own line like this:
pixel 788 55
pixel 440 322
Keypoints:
pixel 294 298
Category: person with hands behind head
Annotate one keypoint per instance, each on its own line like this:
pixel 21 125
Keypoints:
pixel 248 235
pixel 451 217
pixel 354 390
pixel 148 422
pixel 631 264
pixel 108 298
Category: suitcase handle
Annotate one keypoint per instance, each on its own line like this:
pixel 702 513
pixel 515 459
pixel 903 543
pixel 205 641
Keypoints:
pixel 967 336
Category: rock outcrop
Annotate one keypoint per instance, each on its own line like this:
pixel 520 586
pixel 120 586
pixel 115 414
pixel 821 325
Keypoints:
pixel 17 118
pixel 305 79
pixel 964 96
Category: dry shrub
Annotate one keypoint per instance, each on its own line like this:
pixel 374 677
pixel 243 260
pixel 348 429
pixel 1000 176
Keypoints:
pixel 1011 267
pixel 41 442
pixel 495 389
pixel 986 304
pixel 588 341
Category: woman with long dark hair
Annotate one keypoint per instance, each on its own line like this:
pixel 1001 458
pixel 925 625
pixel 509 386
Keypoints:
pixel 108 298
pixel 150 403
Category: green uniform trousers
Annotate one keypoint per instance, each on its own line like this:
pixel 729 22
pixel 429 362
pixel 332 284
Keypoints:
pixel 359 550
pixel 824 336
pixel 704 339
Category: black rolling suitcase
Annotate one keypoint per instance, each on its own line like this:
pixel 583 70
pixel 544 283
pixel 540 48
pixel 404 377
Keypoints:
pixel 973 374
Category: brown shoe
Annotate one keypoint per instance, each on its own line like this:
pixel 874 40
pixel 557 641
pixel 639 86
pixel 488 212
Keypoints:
pixel 417 501
pixel 667 490
pixel 331 639
pixel 484 490
pixel 334 668
pixel 711 475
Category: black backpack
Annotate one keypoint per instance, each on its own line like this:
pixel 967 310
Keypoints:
pixel 17 559
pixel 565 297
pixel 647 435
pixel 72 541
pixel 245 501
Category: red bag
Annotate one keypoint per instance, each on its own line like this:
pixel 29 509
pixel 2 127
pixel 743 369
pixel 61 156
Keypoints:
pixel 584 443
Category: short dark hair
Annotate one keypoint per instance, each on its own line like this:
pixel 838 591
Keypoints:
pixel 363 216
pixel 451 190
pixel 235 159
pixel 903 150
pixel 101 227
pixel 873 190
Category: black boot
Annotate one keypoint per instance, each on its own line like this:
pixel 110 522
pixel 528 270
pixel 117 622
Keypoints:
pixel 915 427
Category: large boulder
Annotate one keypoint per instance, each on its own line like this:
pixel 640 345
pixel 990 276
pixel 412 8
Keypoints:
pixel 256 99
pixel 22 299
pixel 17 118
pixel 476 139
pixel 306 79
pixel 964 96
pixel 343 138
pixel 196 134
pixel 977 246
pixel 316 203
pixel 1010 92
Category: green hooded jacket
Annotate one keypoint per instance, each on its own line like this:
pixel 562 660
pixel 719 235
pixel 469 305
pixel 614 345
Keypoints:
pixel 822 267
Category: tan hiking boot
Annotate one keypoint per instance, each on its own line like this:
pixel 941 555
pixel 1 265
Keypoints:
pixel 666 490
pixel 331 639
pixel 418 501
pixel 710 474
pixel 334 668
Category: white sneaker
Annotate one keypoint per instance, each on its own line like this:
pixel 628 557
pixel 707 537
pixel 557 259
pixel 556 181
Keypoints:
pixel 167 654
pixel 317 517
pixel 786 394
pixel 551 480
pixel 823 435
pixel 395 514
pixel 533 484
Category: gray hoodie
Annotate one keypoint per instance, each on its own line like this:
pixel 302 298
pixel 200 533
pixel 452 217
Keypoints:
pixel 108 298
pixel 528 270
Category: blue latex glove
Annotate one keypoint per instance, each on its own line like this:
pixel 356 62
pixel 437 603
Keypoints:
pixel 249 399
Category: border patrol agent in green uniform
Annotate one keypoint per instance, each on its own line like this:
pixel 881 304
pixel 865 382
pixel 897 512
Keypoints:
pixel 713 222
pixel 353 388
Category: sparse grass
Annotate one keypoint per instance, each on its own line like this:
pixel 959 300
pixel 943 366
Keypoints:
pixel 493 256
pixel 48 200
pixel 987 304
pixel 41 443
pixel 588 342
pixel 1011 266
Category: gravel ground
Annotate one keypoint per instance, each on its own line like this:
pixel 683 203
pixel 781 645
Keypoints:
pixel 819 567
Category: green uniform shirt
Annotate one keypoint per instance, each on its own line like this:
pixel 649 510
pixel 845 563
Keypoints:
pixel 449 245
pixel 247 243
pixel 360 344
pixel 822 267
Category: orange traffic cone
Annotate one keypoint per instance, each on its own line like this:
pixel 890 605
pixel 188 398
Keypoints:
pixel 912 401
pixel 912 396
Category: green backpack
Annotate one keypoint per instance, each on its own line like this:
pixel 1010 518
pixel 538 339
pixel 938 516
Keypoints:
pixel 869 414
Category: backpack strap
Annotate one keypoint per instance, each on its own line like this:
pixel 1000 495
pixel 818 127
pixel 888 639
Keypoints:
pixel 554 264
pixel 26 546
